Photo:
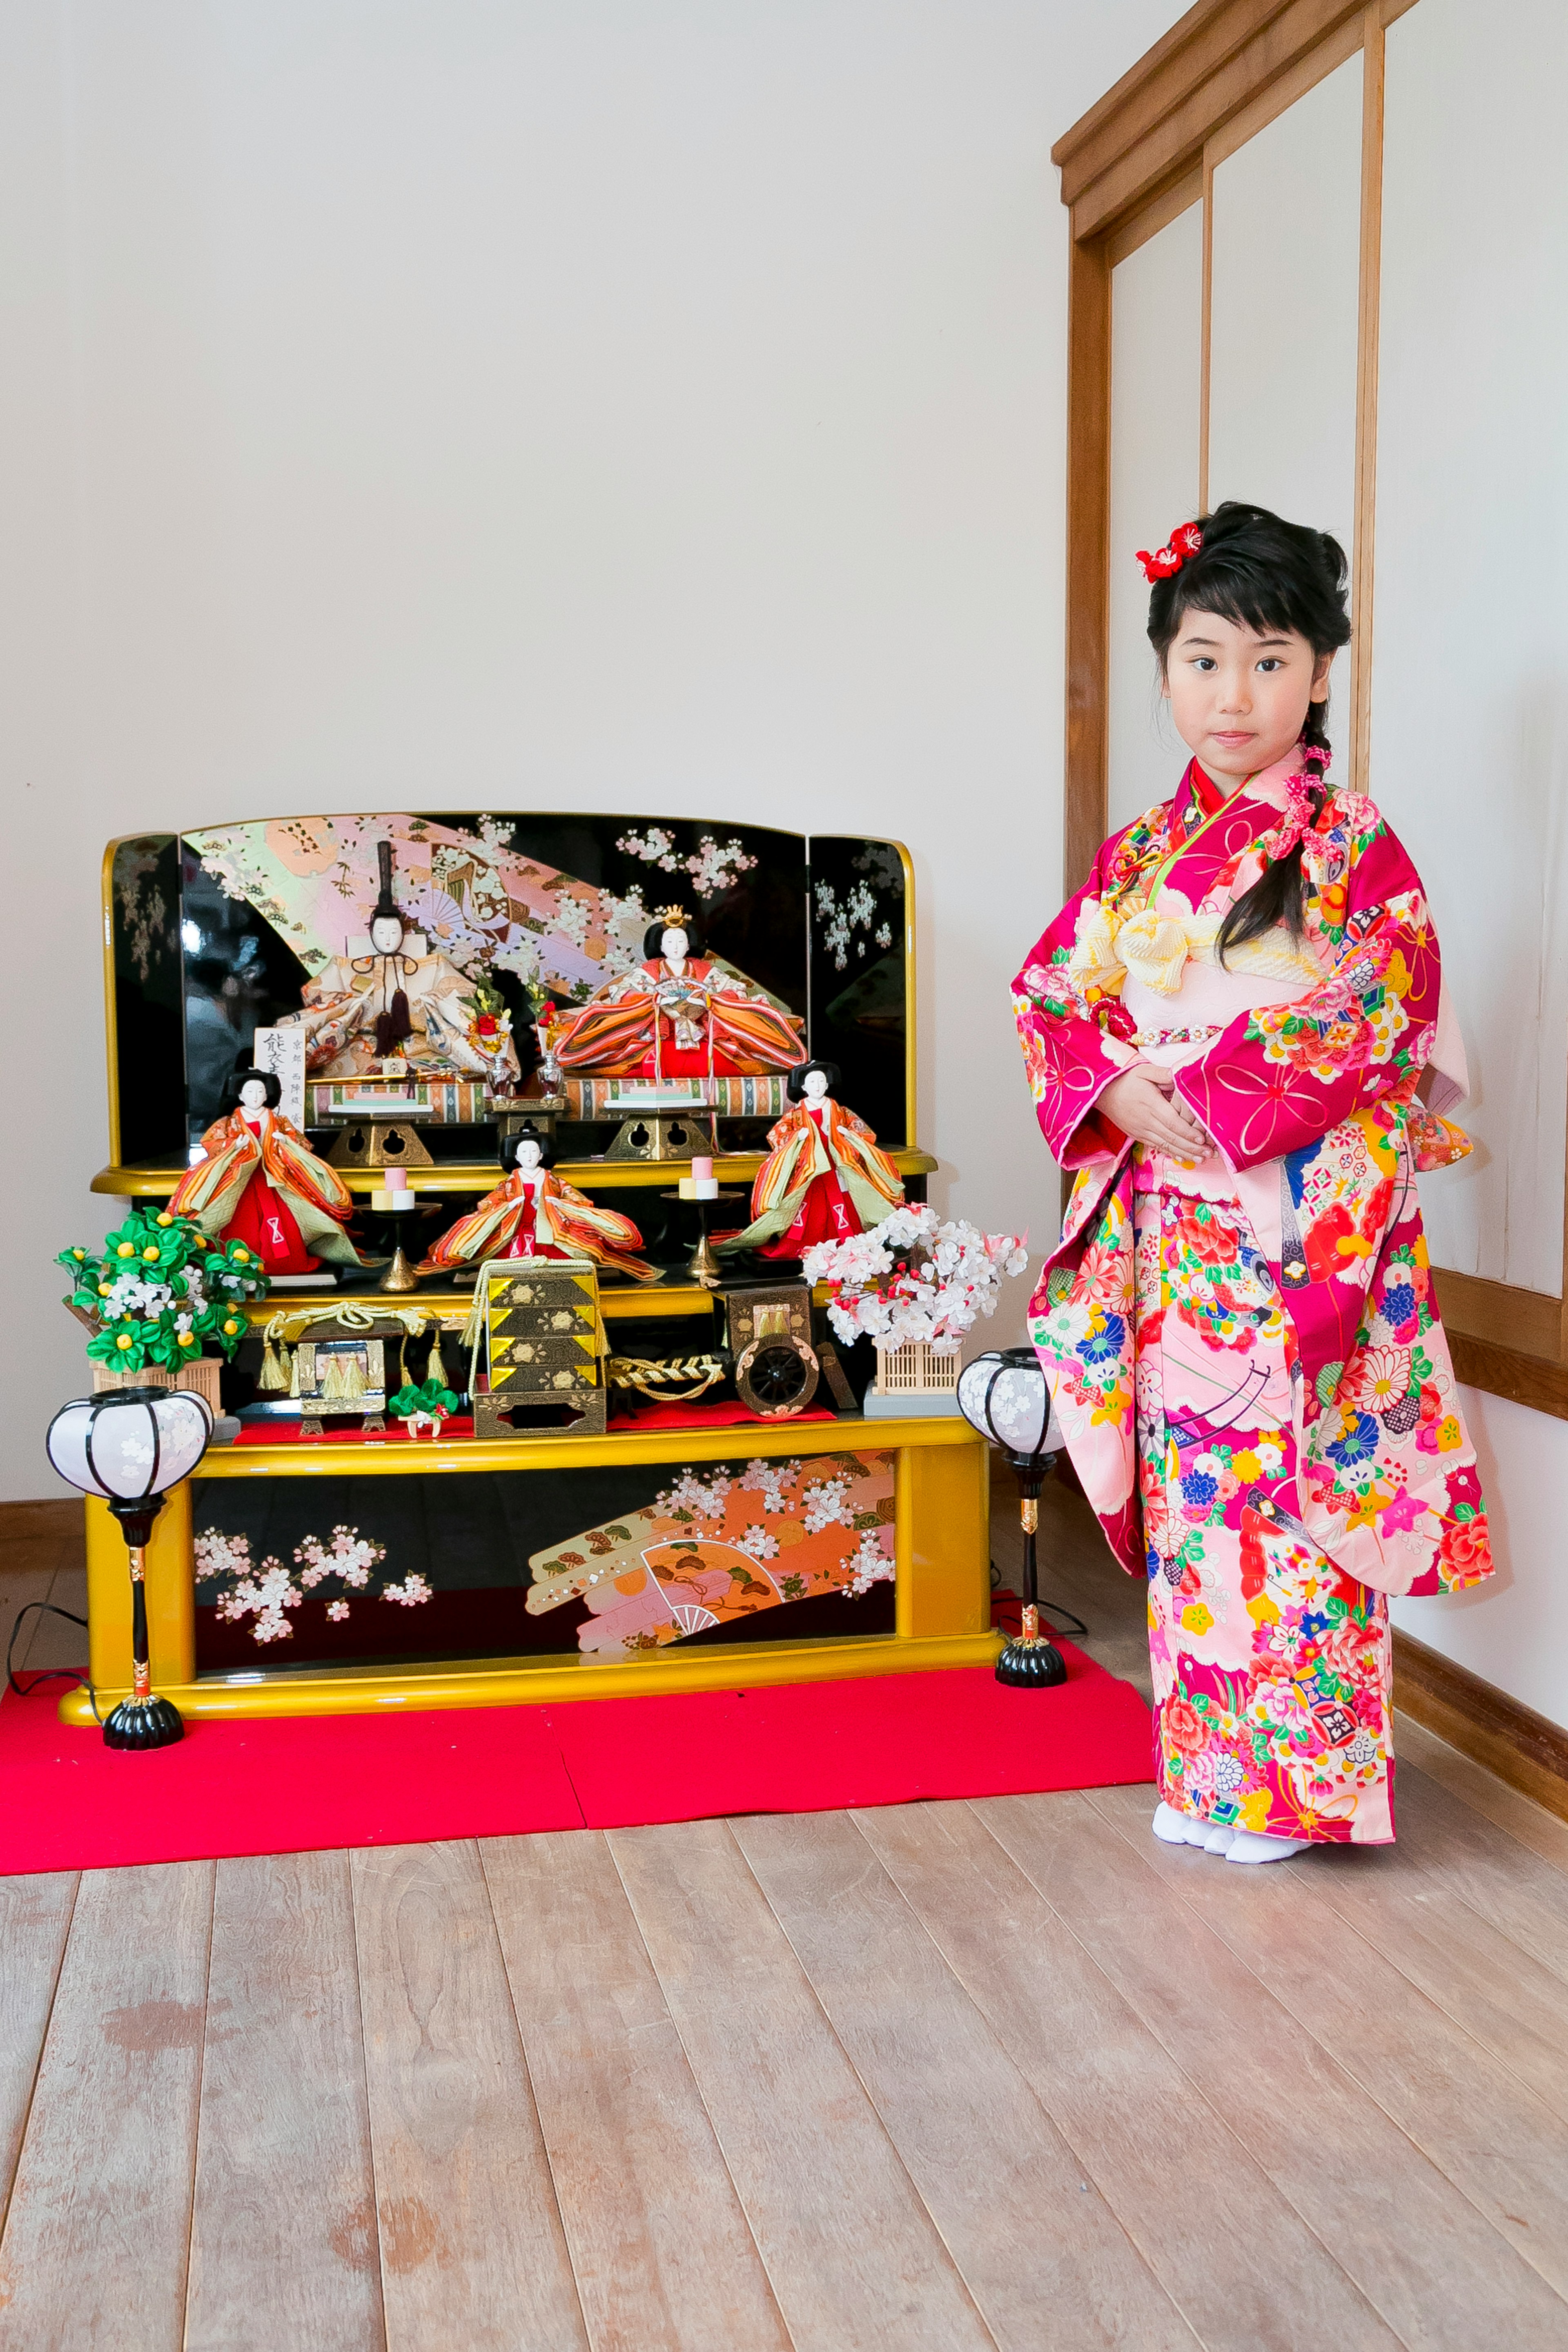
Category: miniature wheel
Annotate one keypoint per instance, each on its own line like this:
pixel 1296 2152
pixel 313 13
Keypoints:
pixel 777 1376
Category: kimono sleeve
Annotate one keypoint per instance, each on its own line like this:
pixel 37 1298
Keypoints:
pixel 1281 1075
pixel 1070 1048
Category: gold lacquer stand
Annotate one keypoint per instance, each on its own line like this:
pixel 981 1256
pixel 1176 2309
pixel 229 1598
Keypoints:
pixel 378 1143
pixel 663 1135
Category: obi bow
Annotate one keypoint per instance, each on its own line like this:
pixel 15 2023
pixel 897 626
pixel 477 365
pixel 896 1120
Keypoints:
pixel 1154 947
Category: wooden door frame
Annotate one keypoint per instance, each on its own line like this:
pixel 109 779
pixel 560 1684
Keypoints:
pixel 1139 156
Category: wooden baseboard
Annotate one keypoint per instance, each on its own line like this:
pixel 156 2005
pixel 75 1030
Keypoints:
pixel 30 1522
pixel 1526 1750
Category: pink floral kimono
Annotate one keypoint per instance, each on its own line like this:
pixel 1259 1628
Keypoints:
pixel 1245 1353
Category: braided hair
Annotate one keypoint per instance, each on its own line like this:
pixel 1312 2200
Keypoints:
pixel 1273 577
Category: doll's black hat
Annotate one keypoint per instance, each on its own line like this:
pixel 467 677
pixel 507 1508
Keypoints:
pixel 529 1134
pixel 386 905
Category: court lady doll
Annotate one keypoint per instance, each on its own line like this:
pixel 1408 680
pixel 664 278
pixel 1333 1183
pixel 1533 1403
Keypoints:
pixel 824 1178
pixel 1237 1036
pixel 535 1214
pixel 260 1182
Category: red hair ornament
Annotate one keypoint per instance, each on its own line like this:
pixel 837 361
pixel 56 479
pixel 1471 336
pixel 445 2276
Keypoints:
pixel 1185 543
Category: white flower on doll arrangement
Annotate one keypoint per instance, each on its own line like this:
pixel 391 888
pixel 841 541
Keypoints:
pixel 1270 1456
pixel 337 1610
pixel 758 1543
pixel 870 1565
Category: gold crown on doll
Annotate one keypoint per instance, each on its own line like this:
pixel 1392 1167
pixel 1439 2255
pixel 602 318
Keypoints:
pixel 669 913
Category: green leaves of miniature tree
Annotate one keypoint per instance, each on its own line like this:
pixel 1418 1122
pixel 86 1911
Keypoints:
pixel 160 1290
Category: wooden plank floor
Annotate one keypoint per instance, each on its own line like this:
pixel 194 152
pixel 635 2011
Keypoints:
pixel 939 2076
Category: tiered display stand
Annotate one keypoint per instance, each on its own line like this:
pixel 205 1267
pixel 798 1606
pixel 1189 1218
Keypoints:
pixel 490 1521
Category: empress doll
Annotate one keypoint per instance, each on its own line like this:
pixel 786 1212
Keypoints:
pixel 1237 1036
pixel 677 1015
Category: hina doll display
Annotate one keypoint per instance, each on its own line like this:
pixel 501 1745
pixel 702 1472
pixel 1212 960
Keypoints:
pixel 676 1017
pixel 261 1183
pixel 824 1178
pixel 535 1214
pixel 1237 1035
pixel 399 1014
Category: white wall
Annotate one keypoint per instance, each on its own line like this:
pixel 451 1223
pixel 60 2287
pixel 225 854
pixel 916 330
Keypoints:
pixel 656 405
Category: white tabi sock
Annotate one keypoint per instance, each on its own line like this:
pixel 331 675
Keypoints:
pixel 1219 1839
pixel 1249 1845
pixel 1177 1829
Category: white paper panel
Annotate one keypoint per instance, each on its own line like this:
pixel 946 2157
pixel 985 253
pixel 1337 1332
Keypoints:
pixel 1156 364
pixel 1469 724
pixel 1284 310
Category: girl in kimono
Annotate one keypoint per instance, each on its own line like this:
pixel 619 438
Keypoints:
pixel 1237 1036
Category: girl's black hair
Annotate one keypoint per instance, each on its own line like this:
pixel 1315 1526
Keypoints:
pixel 509 1153
pixel 1270 575
pixel 653 938
pixel 241 1075
pixel 796 1085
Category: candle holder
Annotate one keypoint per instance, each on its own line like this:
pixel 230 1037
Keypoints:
pixel 130 1446
pixel 399 1274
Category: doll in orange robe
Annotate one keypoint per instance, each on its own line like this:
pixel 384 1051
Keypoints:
pixel 535 1214
pixel 261 1183
pixel 675 1016
pixel 824 1178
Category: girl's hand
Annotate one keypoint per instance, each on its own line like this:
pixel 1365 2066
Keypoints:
pixel 1142 1104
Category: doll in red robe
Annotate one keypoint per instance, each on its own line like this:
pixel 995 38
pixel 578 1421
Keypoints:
pixel 824 1178
pixel 535 1214
pixel 260 1183
pixel 676 1016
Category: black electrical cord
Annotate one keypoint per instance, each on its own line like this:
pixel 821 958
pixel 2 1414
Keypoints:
pixel 43 1674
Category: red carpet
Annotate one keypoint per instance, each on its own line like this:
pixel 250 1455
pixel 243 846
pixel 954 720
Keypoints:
pixel 292 1786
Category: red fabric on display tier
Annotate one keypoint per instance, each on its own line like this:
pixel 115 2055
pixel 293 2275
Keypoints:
pixel 293 1785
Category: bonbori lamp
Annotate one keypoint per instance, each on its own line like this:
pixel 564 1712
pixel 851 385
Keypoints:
pixel 1004 1395
pixel 130 1446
